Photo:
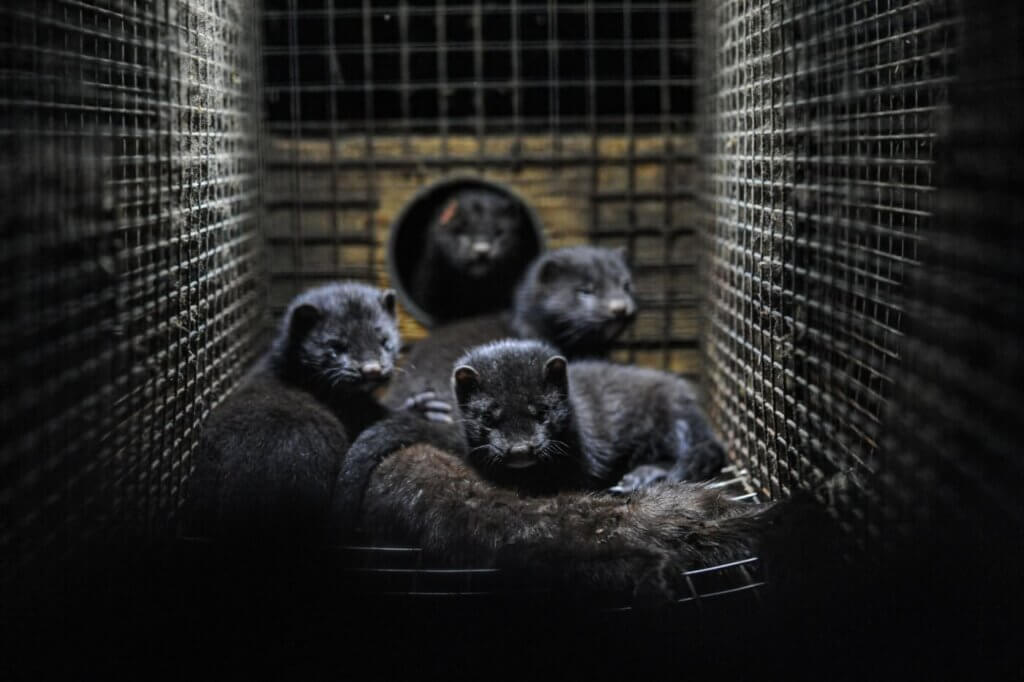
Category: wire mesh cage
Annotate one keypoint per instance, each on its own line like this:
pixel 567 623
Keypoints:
pixel 819 166
pixel 130 271
pixel 818 200
pixel 585 109
pixel 951 442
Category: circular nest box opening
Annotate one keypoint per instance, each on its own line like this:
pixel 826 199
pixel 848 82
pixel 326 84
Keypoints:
pixel 411 258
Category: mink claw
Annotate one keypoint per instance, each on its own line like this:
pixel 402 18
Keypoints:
pixel 440 417
pixel 418 400
pixel 438 406
pixel 428 406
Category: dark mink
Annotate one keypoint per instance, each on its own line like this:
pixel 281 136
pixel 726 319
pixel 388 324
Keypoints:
pixel 580 540
pixel 472 256
pixel 582 295
pixel 579 299
pixel 536 423
pixel 380 440
pixel 269 455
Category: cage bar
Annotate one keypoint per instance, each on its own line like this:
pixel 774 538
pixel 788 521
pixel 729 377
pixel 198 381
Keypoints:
pixel 129 271
pixel 818 165
pixel 954 421
pixel 583 108
pixel 827 237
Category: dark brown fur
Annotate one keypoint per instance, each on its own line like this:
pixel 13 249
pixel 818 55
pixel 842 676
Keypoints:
pixel 270 454
pixel 430 361
pixel 579 540
pixel 266 464
pixel 580 425
pixel 473 255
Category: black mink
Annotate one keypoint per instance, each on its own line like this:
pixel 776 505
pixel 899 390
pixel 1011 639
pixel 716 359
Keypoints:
pixel 269 455
pixel 536 423
pixel 578 299
pixel 472 256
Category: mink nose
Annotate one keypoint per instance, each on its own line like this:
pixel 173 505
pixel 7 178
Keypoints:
pixel 618 307
pixel 481 249
pixel 371 370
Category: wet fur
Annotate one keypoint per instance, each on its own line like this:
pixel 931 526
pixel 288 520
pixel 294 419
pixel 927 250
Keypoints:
pixel 587 423
pixel 452 281
pixel 269 455
pixel 581 541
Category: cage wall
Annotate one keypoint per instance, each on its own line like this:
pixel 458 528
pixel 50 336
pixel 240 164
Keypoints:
pixel 129 269
pixel 584 108
pixel 953 445
pixel 818 170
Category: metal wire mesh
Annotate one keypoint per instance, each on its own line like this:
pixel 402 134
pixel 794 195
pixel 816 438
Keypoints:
pixel 954 453
pixel 820 119
pixel 585 108
pixel 128 270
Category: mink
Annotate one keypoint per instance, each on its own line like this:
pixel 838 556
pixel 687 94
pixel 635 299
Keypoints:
pixel 434 500
pixel 578 298
pixel 269 455
pixel 538 424
pixel 472 256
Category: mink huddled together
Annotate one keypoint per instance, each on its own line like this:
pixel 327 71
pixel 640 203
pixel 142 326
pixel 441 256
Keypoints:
pixel 500 431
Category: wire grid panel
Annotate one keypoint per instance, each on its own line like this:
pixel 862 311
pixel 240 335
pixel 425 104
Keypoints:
pixel 955 441
pixel 818 132
pixel 128 266
pixel 584 108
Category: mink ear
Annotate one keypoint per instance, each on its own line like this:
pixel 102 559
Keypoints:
pixel 622 252
pixel 303 319
pixel 556 373
pixel 450 210
pixel 548 271
pixel 465 381
pixel 387 299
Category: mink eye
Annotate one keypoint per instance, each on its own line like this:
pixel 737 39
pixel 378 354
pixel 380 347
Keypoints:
pixel 585 290
pixel 627 286
pixel 337 346
pixel 384 341
pixel 492 416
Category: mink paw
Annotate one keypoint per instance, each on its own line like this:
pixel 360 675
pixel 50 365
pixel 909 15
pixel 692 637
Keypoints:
pixel 427 405
pixel 641 477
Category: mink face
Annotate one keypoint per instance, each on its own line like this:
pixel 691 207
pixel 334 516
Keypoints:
pixel 517 416
pixel 270 454
pixel 340 338
pixel 476 231
pixel 535 423
pixel 579 299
